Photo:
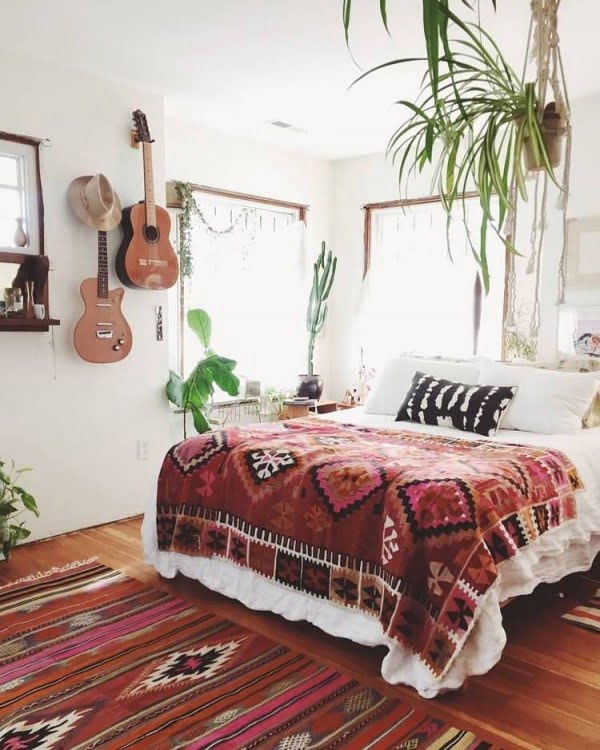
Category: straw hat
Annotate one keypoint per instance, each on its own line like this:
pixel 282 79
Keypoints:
pixel 95 202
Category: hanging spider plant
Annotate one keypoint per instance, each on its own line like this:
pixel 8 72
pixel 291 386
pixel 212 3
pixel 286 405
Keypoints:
pixel 435 30
pixel 471 127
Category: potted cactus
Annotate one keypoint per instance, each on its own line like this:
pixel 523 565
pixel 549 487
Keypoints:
pixel 311 385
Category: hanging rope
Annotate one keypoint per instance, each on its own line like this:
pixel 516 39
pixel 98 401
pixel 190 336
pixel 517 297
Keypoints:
pixel 543 50
pixel 510 230
pixel 536 317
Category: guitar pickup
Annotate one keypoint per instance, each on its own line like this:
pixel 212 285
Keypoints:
pixel 104 334
pixel 153 262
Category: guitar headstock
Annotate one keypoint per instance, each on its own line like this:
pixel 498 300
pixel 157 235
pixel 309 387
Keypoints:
pixel 141 127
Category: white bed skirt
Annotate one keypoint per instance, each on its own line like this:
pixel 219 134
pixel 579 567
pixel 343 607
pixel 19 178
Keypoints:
pixel 564 550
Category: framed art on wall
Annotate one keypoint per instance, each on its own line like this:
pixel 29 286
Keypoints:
pixel 586 339
pixel 583 256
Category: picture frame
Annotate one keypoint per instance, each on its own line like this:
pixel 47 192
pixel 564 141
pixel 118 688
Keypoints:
pixel 583 253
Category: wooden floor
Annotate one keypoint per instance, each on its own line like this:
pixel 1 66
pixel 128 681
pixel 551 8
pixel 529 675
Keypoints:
pixel 545 692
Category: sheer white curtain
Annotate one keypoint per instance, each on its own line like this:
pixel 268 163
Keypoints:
pixel 417 300
pixel 249 275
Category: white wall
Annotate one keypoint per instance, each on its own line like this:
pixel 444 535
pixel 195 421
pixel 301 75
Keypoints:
pixel 76 423
pixel 371 179
pixel 208 157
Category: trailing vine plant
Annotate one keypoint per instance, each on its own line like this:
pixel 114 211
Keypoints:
pixel 190 210
pixel 186 198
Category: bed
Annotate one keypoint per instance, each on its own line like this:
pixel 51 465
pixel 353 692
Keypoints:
pixel 366 564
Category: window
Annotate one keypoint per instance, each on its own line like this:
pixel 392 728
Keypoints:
pixel 249 275
pixel 417 300
pixel 20 195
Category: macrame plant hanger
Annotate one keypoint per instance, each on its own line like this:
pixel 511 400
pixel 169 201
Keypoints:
pixel 543 51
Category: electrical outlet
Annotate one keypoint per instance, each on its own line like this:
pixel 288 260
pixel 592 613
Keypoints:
pixel 143 450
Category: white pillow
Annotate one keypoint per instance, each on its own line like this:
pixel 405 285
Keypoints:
pixel 395 379
pixel 547 402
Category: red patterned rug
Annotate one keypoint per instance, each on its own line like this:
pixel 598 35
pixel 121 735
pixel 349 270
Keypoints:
pixel 586 615
pixel 90 658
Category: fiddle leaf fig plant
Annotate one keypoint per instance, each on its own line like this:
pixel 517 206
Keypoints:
pixel 194 393
pixel 14 501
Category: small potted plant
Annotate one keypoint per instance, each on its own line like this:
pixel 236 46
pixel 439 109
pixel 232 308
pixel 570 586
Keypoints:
pixel 311 385
pixel 14 501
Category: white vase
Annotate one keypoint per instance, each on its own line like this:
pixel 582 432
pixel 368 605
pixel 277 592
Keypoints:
pixel 20 239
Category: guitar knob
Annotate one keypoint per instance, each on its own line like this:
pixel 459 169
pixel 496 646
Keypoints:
pixel 121 341
pixel 116 347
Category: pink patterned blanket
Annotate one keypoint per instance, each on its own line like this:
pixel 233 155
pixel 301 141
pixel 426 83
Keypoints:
pixel 407 527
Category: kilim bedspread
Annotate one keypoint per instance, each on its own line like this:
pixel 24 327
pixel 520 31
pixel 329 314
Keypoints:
pixel 92 659
pixel 409 528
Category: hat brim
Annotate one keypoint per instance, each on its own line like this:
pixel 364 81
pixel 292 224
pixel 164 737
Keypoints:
pixel 111 221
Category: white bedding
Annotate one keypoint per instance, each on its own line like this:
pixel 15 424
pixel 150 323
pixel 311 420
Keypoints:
pixel 559 552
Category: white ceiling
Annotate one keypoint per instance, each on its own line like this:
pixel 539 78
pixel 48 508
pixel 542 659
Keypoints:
pixel 235 64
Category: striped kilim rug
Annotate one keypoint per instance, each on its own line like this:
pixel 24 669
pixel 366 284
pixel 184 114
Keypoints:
pixel 90 658
pixel 586 615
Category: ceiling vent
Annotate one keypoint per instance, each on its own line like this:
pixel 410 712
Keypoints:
pixel 286 126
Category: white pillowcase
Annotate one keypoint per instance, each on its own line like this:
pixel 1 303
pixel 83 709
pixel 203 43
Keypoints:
pixel 395 379
pixel 547 402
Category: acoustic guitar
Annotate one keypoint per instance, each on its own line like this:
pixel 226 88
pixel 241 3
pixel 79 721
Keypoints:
pixel 146 258
pixel 102 334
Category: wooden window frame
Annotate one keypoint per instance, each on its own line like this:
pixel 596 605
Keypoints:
pixel 38 261
pixel 35 143
pixel 173 202
pixel 369 208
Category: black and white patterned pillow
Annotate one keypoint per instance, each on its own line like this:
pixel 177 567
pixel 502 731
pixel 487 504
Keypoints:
pixel 471 408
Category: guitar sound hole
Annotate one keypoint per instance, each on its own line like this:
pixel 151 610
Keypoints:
pixel 151 234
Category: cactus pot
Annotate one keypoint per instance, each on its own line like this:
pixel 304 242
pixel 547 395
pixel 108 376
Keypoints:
pixel 310 386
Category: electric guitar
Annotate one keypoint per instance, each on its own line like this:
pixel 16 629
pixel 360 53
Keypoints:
pixel 146 258
pixel 102 334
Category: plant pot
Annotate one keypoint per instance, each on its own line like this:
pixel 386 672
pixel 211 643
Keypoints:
pixel 553 130
pixel 310 386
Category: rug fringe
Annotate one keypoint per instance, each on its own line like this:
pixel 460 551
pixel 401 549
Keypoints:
pixel 51 571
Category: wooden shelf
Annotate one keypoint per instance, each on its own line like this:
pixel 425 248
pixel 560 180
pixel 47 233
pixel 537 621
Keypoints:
pixel 27 324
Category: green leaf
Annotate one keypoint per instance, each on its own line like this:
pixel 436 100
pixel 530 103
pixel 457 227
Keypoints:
pixel 200 323
pixel 221 370
pixel 16 533
pixel 199 386
pixel 431 28
pixel 30 503
pixel 176 389
pixel 383 11
pixel 200 422
pixel 346 11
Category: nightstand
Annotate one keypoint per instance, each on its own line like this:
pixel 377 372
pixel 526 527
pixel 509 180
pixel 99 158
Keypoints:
pixel 293 409
pixel 326 407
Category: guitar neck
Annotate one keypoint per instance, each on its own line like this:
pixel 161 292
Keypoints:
pixel 149 186
pixel 102 264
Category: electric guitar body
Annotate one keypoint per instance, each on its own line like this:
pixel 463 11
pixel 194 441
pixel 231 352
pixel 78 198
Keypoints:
pixel 146 258
pixel 102 335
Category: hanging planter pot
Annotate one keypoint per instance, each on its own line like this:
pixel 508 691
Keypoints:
pixel 553 131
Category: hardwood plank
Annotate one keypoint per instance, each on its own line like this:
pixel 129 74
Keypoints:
pixel 543 695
